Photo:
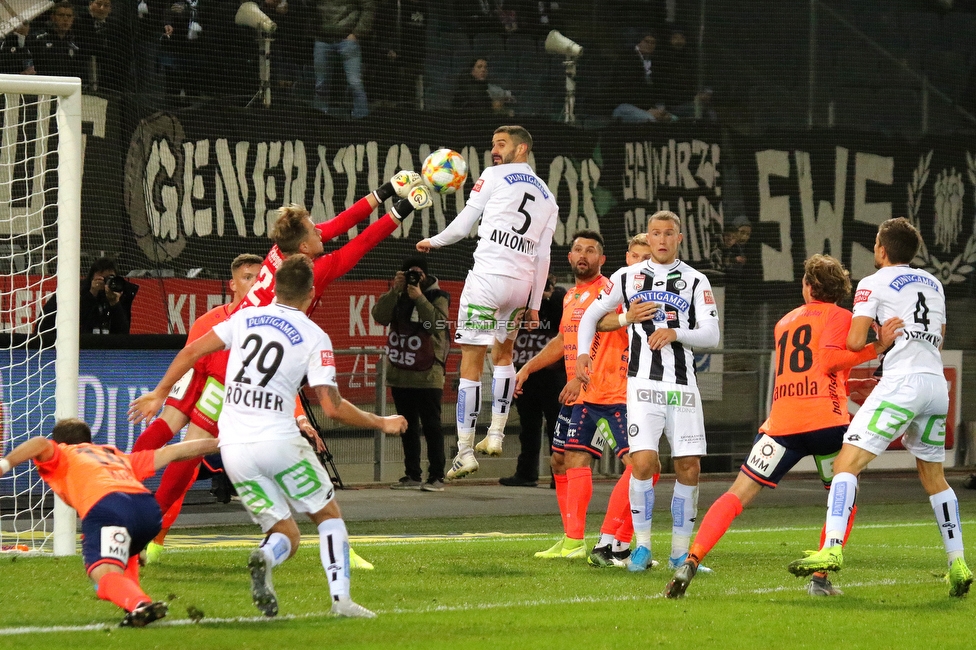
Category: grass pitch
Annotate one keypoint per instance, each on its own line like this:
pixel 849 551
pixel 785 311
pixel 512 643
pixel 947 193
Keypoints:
pixel 489 592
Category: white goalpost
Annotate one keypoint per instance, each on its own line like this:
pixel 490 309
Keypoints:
pixel 40 245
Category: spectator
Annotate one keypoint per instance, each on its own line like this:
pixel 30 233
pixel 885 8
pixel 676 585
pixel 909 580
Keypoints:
pixel 535 19
pixel 292 45
pixel 57 50
pixel 677 76
pixel 341 23
pixel 540 392
pixel 106 302
pixel 401 29
pixel 416 309
pixel 180 51
pixel 15 54
pixel 474 95
pixel 637 98
pixel 480 16
pixel 106 42
pixel 731 257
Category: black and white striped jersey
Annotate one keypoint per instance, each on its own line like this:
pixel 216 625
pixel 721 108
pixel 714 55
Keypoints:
pixel 688 305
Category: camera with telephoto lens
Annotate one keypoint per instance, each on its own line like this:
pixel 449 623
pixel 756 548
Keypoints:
pixel 412 277
pixel 116 283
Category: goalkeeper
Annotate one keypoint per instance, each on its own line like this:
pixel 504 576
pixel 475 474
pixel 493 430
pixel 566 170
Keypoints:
pixel 118 515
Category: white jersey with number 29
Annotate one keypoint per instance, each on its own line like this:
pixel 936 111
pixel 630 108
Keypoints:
pixel 916 297
pixel 271 349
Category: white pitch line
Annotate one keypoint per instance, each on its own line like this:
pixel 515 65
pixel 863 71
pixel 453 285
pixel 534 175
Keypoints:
pixel 466 607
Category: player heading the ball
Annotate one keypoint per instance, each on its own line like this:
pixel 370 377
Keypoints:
pixel 511 264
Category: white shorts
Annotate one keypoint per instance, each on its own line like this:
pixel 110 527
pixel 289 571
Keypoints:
pixel 914 406
pixel 656 407
pixel 490 308
pixel 269 476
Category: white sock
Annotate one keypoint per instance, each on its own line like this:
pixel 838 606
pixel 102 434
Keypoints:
pixel 620 546
pixel 334 553
pixel 684 510
pixel 502 392
pixel 843 489
pixel 468 408
pixel 276 548
pixel 946 508
pixel 641 509
pixel 606 539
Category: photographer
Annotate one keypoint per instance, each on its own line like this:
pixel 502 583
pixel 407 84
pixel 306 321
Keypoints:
pixel 106 302
pixel 416 310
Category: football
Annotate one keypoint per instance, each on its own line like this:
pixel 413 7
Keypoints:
pixel 444 171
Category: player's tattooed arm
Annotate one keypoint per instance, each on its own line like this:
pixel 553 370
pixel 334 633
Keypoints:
pixel 344 411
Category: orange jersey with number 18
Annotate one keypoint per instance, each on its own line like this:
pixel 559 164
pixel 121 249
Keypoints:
pixel 805 396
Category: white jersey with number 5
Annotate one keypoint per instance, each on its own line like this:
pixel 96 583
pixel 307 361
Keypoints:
pixel 271 349
pixel 518 219
pixel 916 297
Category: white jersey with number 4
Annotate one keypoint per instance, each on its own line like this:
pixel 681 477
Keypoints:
pixel 916 297
pixel 518 219
pixel 271 349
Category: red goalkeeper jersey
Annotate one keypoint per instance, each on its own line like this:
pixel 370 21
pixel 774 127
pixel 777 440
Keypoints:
pixel 330 266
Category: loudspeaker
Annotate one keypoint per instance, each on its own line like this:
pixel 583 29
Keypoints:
pixel 250 15
pixel 556 43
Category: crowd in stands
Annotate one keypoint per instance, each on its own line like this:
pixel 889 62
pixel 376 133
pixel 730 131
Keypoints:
pixel 348 57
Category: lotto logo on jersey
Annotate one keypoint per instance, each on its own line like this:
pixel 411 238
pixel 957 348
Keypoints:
pixel 709 298
pixel 477 186
pixel 328 358
pixel 861 295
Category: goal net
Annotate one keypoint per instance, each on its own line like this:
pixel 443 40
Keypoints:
pixel 40 216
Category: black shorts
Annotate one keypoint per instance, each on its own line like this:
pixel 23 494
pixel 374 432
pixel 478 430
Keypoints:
pixel 118 527
pixel 772 457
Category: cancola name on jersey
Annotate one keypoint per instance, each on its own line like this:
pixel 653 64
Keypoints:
pixel 521 177
pixel 280 324
pixel 903 281
pixel 665 297
pixel 513 241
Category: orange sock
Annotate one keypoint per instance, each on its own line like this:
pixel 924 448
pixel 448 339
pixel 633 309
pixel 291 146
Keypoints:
pixel 132 569
pixel 117 588
pixel 717 520
pixel 578 493
pixel 562 487
pixel 847 533
pixel 618 508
